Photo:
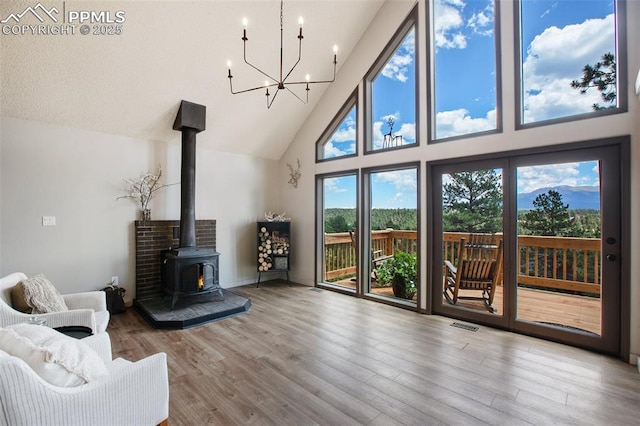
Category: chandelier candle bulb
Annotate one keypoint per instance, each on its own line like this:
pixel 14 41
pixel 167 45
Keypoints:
pixel 300 21
pixel 244 30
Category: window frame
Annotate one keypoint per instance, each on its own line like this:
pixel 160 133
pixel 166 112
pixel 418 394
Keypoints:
pixel 431 78
pixel 319 231
pixel 411 21
pixel 364 218
pixel 620 11
pixel 338 119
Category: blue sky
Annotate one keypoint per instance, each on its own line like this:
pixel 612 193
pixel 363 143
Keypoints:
pixel 390 190
pixel 340 192
pixel 559 37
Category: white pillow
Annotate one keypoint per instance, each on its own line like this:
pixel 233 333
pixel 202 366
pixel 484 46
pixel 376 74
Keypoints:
pixel 59 359
pixel 42 296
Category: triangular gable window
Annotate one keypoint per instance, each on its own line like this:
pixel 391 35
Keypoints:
pixel 339 140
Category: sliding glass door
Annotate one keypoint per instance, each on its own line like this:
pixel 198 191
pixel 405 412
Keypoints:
pixel 532 243
pixel 468 210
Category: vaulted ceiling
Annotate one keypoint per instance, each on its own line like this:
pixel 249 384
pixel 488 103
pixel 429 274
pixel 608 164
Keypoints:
pixel 131 84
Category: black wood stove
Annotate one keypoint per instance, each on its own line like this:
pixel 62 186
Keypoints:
pixel 189 270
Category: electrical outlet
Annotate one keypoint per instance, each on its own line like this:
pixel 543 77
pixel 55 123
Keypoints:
pixel 114 280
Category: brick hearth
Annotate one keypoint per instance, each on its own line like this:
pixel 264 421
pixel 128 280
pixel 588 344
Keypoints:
pixel 153 236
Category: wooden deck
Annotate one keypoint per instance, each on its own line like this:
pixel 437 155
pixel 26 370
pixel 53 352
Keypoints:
pixel 535 305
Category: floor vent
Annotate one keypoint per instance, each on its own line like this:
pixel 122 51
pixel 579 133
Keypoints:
pixel 465 326
pixel 319 290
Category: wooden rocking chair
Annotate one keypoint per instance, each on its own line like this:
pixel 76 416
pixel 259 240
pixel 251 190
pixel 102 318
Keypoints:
pixel 479 268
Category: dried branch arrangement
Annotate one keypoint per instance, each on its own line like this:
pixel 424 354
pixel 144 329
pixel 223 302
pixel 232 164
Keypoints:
pixel 143 188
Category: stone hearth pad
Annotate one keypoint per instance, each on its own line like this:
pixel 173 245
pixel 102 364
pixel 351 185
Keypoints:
pixel 191 311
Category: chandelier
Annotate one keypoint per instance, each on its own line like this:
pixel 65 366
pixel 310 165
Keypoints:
pixel 280 83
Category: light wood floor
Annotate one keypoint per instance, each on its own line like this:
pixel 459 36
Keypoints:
pixel 302 356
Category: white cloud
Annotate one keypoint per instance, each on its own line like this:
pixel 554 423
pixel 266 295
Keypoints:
pixel 398 65
pixel 395 116
pixel 548 11
pixel 344 135
pixel 447 22
pixel 402 180
pixel 555 58
pixel 450 25
pixel 405 187
pixel 333 185
pixel 331 151
pixel 482 22
pixel 535 177
pixel 407 131
pixel 458 122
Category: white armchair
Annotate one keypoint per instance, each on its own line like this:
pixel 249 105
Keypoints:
pixel 133 393
pixel 88 309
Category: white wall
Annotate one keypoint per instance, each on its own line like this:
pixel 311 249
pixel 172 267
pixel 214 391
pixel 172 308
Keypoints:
pixel 234 189
pixel 300 202
pixel 1 137
pixel 76 175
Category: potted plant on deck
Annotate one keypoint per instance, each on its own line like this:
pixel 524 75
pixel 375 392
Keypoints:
pixel 401 271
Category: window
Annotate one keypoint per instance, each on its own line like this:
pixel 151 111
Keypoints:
pixel 465 92
pixel 339 140
pixel 338 215
pixel 391 93
pixel 560 42
pixel 391 233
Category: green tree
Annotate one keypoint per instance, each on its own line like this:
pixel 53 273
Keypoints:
pixel 336 224
pixel 472 202
pixel 550 216
pixel 602 76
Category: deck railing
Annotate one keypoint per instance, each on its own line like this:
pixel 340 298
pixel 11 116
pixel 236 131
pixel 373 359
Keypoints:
pixel 561 263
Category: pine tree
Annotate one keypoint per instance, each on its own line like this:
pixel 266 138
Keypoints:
pixel 472 202
pixel 336 224
pixel 550 216
pixel 602 76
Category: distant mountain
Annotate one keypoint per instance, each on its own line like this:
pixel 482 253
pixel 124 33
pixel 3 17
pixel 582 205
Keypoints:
pixel 577 197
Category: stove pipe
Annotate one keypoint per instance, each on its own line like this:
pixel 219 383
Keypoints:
pixel 190 121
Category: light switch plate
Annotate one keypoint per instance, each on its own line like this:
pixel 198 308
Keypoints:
pixel 48 221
